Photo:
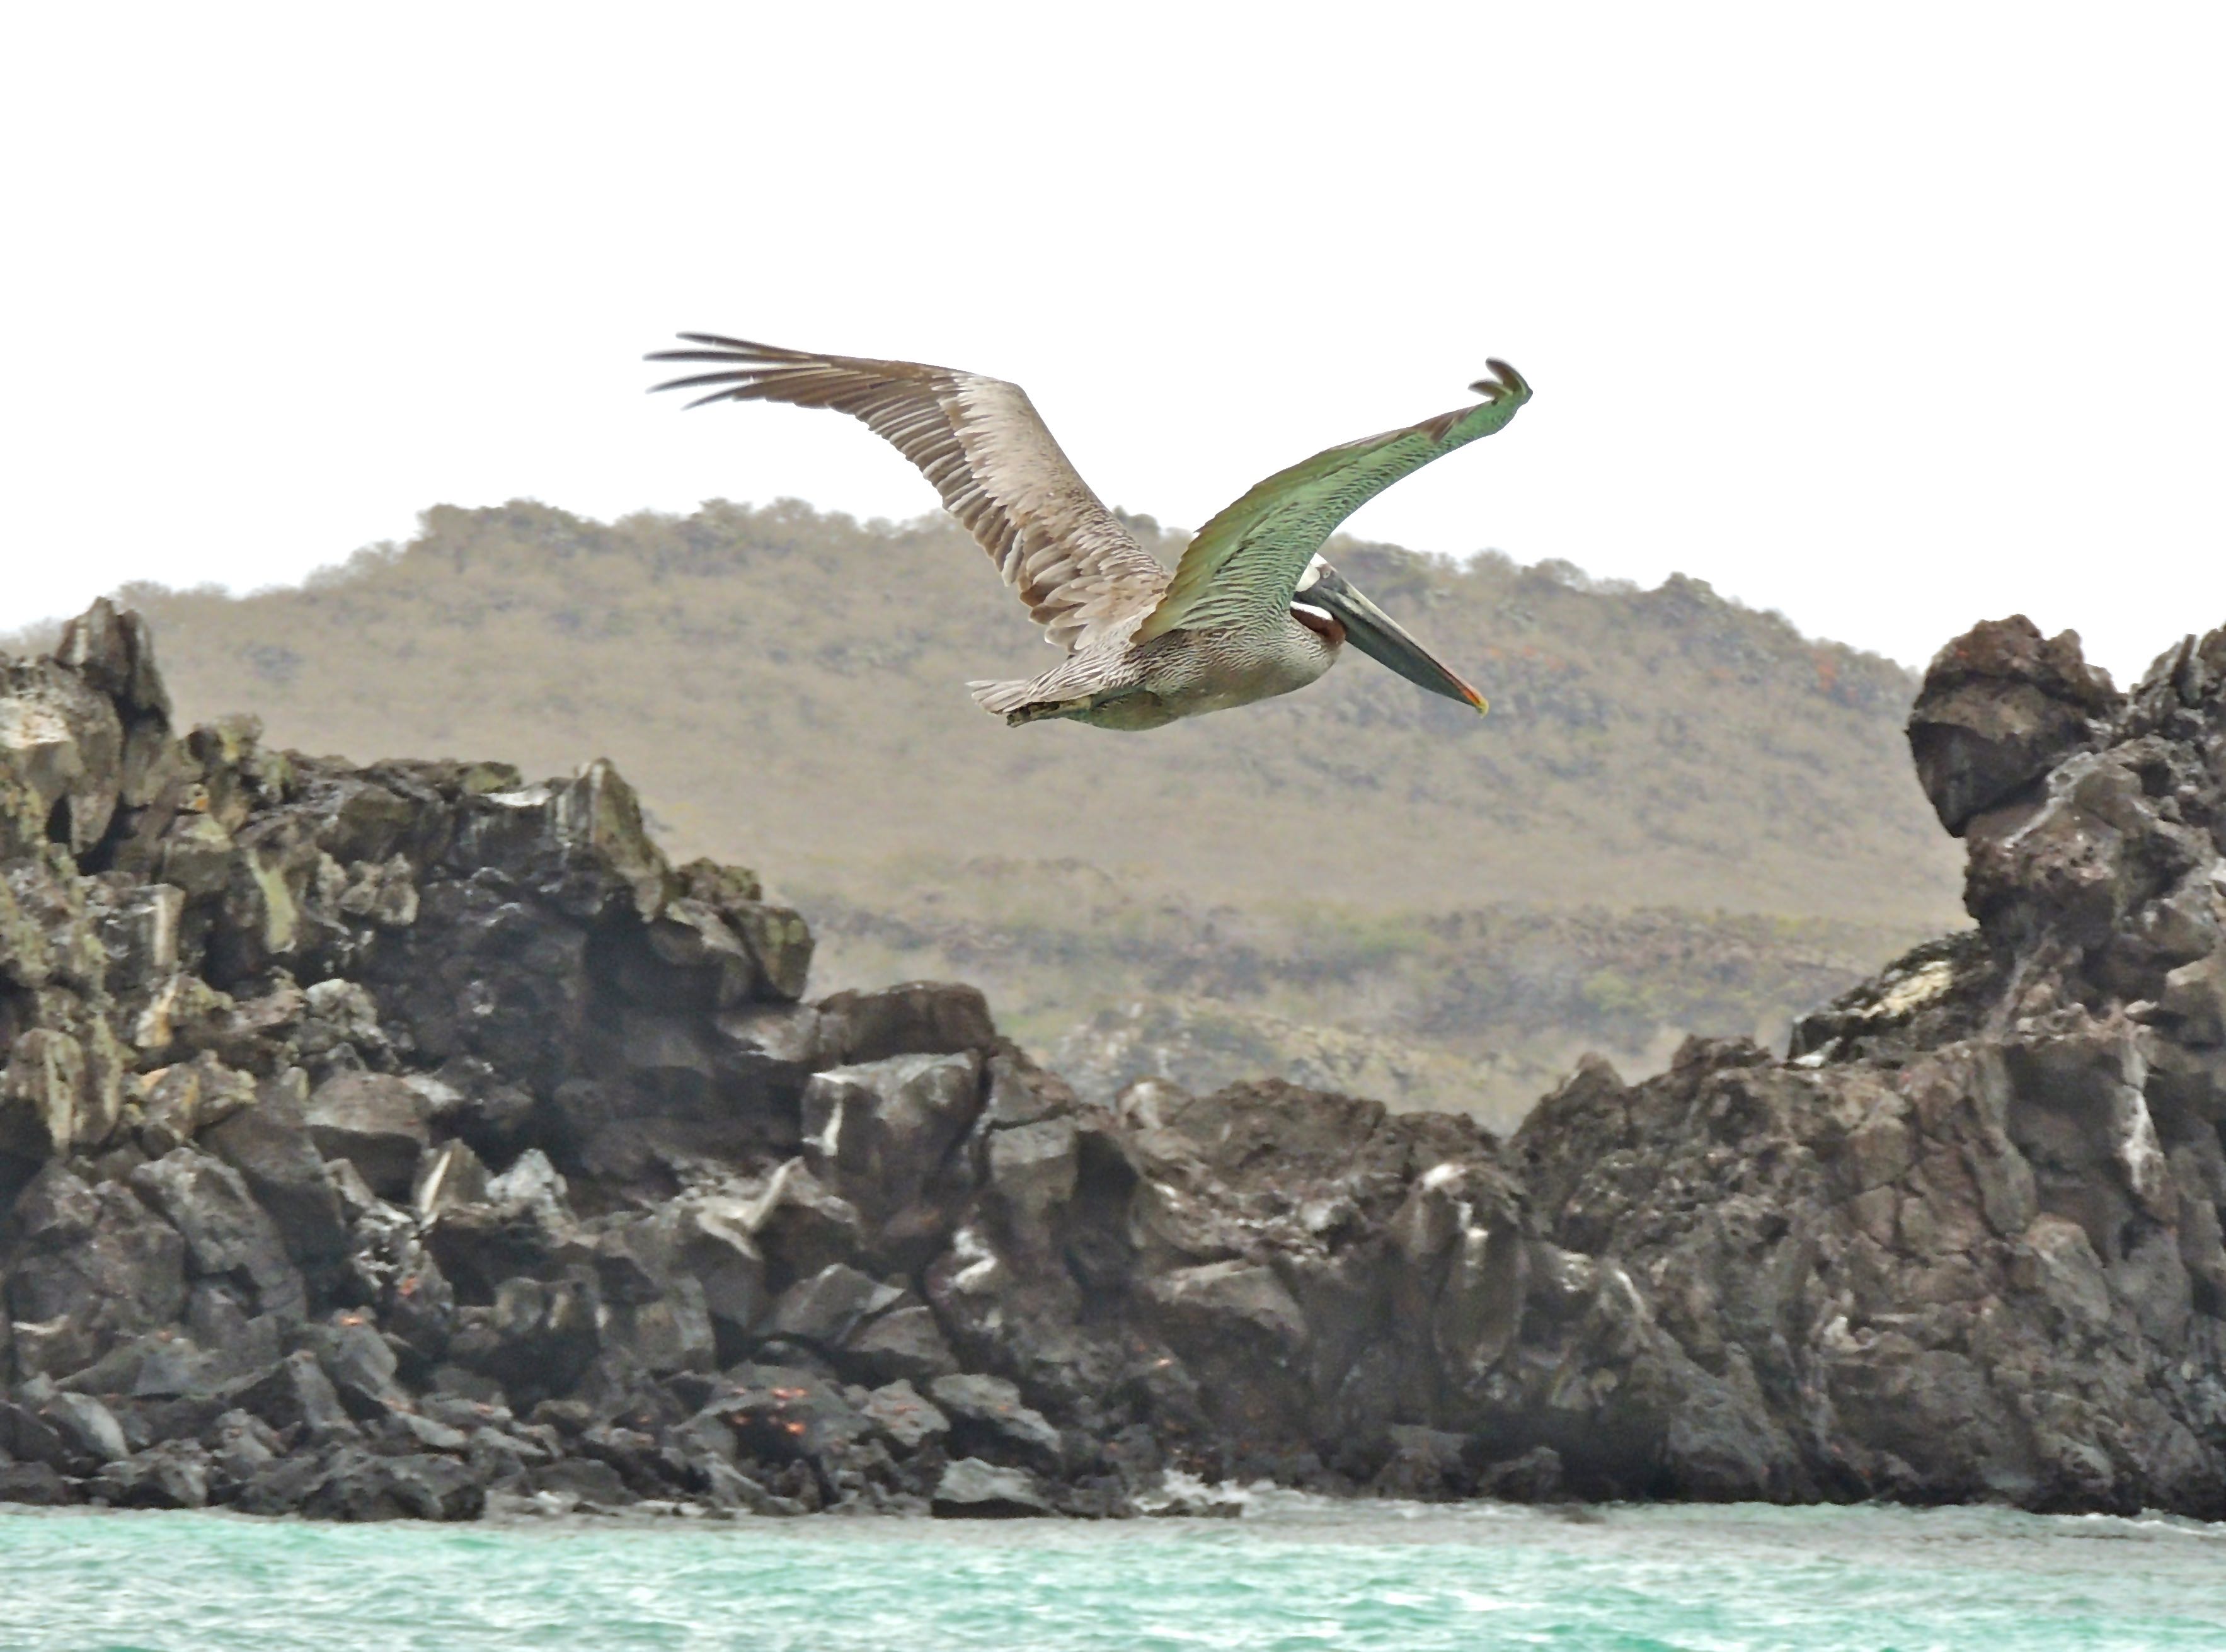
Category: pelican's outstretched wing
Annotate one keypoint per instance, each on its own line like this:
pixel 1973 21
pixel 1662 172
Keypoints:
pixel 1250 557
pixel 982 443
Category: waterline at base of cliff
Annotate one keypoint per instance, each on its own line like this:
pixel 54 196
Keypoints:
pixel 1294 1572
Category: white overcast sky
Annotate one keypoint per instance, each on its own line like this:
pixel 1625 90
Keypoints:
pixel 1890 317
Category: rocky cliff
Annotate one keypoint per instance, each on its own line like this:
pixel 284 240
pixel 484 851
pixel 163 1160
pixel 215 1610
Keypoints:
pixel 383 1140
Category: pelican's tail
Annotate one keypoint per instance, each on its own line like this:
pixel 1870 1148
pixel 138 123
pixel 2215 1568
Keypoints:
pixel 1002 699
pixel 1079 686
pixel 1024 702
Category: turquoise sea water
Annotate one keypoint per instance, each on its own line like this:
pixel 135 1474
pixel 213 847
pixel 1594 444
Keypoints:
pixel 1292 1573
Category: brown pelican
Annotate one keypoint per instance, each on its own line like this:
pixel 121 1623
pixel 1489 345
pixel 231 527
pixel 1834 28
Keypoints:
pixel 1251 610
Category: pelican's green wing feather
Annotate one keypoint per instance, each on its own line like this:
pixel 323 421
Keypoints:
pixel 1250 556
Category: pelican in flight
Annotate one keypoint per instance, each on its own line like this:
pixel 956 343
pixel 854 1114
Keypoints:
pixel 1251 610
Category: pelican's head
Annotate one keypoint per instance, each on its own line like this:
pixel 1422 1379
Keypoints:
pixel 1326 600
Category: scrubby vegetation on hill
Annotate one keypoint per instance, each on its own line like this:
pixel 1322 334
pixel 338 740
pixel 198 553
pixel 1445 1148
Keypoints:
pixel 1681 813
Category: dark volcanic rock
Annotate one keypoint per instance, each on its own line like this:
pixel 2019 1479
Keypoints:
pixel 2000 707
pixel 585 1478
pixel 375 1122
pixel 373 1141
pixel 227 1233
pixel 34 1483
pixel 900 1413
pixel 800 1227
pixel 173 1475
pixel 972 1489
pixel 823 1309
pixel 356 1485
pixel 85 1266
pixel 294 1393
pixel 877 1133
pixel 903 1343
pixel 270 1145
pixel 84 1430
pixel 182 1100
pixel 919 1018
pixel 989 1417
pixel 536 1339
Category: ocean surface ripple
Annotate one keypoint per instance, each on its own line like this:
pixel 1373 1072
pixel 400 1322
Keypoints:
pixel 1293 1573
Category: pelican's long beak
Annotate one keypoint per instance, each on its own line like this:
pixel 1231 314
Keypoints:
pixel 1378 635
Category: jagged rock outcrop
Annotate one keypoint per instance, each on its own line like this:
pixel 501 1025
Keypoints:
pixel 2001 707
pixel 376 1141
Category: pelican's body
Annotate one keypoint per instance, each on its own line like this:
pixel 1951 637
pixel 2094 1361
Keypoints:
pixel 1128 685
pixel 1251 610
